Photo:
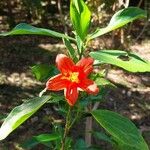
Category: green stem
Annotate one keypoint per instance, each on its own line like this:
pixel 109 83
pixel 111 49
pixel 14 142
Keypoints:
pixel 66 129
pixel 81 53
pixel 75 118
pixel 78 52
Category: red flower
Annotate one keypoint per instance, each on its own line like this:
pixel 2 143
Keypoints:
pixel 73 78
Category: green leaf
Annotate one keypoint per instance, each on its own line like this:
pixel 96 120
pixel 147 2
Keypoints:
pixel 80 16
pixel 85 101
pixel 80 145
pixel 120 19
pixel 24 28
pixel 103 82
pixel 42 138
pixel 68 143
pixel 44 71
pixel 20 114
pixel 2 117
pixel 72 51
pixel 128 61
pixel 121 129
pixel 55 98
pixel 102 136
pixel 80 45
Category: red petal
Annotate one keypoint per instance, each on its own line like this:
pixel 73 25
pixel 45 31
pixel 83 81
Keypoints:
pixel 56 83
pixel 86 64
pixel 71 95
pixel 89 86
pixel 64 63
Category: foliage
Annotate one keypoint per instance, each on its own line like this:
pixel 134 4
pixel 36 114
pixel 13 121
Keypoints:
pixel 128 61
pixel 73 77
pixel 121 18
pixel 121 129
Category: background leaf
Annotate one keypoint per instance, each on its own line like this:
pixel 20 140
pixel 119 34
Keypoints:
pixel 80 145
pixel 120 19
pixel 20 114
pixel 44 71
pixel 102 136
pixel 24 28
pixel 128 61
pixel 42 138
pixel 103 82
pixel 121 129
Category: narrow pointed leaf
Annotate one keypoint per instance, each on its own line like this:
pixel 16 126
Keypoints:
pixel 128 61
pixel 24 29
pixel 20 114
pixel 80 44
pixel 120 19
pixel 42 138
pixel 80 16
pixel 122 130
pixel 71 50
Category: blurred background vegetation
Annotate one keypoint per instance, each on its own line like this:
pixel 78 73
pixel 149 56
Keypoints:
pixel 48 12
pixel 54 14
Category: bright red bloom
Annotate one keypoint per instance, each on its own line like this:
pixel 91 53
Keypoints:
pixel 73 77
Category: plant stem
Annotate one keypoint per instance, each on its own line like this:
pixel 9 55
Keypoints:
pixel 66 129
pixel 77 116
pixel 88 128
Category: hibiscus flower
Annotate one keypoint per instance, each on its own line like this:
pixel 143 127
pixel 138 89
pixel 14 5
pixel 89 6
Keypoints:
pixel 72 78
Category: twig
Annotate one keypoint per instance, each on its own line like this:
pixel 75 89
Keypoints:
pixel 140 2
pixel 88 136
pixel 122 36
pixel 126 4
pixel 95 105
pixel 59 5
pixel 88 128
pixel 130 26
pixel 146 24
pixel 148 18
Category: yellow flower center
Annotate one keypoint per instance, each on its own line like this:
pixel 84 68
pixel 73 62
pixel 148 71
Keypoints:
pixel 74 77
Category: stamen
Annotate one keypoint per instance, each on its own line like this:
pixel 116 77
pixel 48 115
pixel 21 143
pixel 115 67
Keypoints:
pixel 74 77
